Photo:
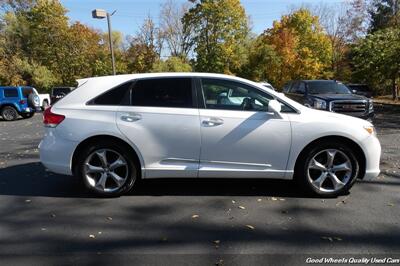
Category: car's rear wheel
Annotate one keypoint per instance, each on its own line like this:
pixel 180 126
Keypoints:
pixel 9 113
pixel 328 169
pixel 107 169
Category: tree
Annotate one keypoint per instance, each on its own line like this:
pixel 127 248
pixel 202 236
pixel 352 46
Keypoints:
pixel 145 48
pixel 220 29
pixel 384 13
pixel 173 31
pixel 172 64
pixel 377 58
pixel 303 48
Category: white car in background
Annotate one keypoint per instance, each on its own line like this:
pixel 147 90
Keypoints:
pixel 112 131
pixel 44 99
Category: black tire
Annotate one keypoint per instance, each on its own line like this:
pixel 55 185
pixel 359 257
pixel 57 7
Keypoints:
pixel 302 168
pixel 9 113
pixel 27 115
pixel 45 105
pixel 132 166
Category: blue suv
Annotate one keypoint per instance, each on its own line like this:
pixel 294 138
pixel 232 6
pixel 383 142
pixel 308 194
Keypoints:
pixel 18 100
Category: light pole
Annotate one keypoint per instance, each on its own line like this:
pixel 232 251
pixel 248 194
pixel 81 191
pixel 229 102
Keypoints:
pixel 100 14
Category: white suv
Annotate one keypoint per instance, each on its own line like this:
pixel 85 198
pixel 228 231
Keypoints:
pixel 113 131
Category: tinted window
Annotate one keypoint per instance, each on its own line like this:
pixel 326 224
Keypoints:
pixel 286 87
pixel 163 92
pixel 10 93
pixel 229 95
pixel 26 92
pixel 116 96
pixel 61 91
pixel 298 88
pixel 327 87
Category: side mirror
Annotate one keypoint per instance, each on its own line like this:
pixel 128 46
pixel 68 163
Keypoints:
pixel 274 106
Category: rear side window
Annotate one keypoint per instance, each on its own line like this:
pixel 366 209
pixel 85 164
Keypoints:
pixel 26 92
pixel 10 93
pixel 116 96
pixel 163 92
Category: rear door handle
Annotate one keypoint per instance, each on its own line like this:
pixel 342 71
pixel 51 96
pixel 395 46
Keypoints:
pixel 131 117
pixel 212 122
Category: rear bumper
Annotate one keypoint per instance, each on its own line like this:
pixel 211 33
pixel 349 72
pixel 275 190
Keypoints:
pixel 56 153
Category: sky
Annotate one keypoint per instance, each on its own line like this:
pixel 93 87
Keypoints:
pixel 131 14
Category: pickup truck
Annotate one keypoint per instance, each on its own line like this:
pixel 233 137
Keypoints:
pixel 43 98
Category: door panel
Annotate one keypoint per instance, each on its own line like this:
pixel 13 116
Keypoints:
pixel 245 144
pixel 168 139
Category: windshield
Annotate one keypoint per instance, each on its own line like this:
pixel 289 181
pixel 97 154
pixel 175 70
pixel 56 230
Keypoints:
pixel 58 91
pixel 323 87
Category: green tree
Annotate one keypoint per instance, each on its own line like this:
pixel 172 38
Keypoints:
pixel 220 29
pixel 172 64
pixel 377 59
pixel 384 13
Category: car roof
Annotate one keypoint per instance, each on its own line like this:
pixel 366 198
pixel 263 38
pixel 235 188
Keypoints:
pixel 320 80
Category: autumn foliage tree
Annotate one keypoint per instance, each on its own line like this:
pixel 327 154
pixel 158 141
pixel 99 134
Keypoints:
pixel 296 47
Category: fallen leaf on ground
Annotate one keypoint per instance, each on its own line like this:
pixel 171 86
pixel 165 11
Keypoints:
pixel 327 238
pixel 282 199
pixel 242 207
pixel 390 204
pixel 194 216
pixel 92 236
pixel 28 200
pixel 43 229
pixel 99 233
pixel 250 226
pixel 274 199
pixel 259 200
pixel 338 238
pixel 52 215
pixel 109 218
pixel 233 201
pixel 216 242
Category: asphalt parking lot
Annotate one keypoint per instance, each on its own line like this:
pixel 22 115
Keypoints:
pixel 49 219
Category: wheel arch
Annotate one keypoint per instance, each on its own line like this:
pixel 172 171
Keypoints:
pixel 11 105
pixel 99 138
pixel 358 151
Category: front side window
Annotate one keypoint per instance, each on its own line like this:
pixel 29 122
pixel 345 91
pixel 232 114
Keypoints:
pixel 163 92
pixel 230 95
pixel 10 93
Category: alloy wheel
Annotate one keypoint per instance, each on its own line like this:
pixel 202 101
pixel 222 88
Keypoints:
pixel 106 170
pixel 329 170
pixel 9 114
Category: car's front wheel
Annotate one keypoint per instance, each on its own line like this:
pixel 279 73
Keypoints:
pixel 328 169
pixel 107 169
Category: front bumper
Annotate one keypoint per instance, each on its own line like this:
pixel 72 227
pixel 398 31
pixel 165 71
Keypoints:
pixel 56 153
pixel 372 152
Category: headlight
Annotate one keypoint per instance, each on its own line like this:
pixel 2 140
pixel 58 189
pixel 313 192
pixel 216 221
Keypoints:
pixel 370 105
pixel 319 104
pixel 370 129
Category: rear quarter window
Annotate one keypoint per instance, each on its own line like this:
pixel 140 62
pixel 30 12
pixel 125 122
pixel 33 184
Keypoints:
pixel 116 96
pixel 26 92
pixel 8 93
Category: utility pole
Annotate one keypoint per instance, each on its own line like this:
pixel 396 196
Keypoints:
pixel 100 14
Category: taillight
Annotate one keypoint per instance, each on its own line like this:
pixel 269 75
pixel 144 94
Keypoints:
pixel 22 101
pixel 51 119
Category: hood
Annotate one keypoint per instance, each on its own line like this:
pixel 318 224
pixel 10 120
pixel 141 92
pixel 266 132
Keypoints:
pixel 333 97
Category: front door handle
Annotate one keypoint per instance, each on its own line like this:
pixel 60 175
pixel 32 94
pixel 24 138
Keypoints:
pixel 131 117
pixel 212 122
